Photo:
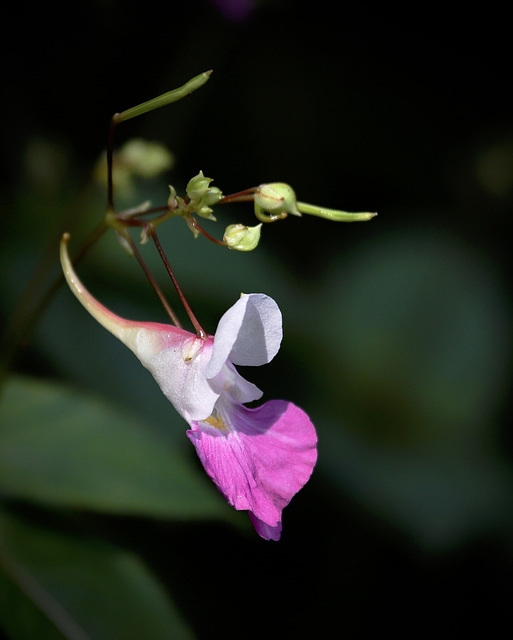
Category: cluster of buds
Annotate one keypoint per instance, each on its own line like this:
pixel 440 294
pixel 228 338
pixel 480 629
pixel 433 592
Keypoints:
pixel 202 196
pixel 200 199
pixel 139 159
pixel 272 202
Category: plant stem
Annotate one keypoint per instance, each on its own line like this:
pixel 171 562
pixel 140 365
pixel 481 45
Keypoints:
pixel 334 214
pixel 165 99
pixel 207 235
pixel 199 329
pixel 154 283
pixel 241 196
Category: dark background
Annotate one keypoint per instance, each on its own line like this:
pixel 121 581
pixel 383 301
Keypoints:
pixel 402 111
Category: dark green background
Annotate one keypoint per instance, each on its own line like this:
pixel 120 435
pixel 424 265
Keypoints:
pixel 397 331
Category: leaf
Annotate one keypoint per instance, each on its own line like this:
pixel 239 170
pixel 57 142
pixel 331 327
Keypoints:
pixel 438 498
pixel 86 589
pixel 419 336
pixel 420 328
pixel 60 447
pixel 20 618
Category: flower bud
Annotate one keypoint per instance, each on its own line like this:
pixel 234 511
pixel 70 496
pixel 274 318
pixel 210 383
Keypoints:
pixel 202 196
pixel 172 202
pixel 274 201
pixel 197 186
pixel 242 238
pixel 211 196
pixel 205 212
pixel 136 158
pixel 146 159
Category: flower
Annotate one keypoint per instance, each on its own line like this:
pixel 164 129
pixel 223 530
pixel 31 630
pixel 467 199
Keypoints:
pixel 259 458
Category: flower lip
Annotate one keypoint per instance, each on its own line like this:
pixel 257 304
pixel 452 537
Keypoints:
pixel 261 460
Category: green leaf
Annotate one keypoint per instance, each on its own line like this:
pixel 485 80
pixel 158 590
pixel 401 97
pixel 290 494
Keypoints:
pixel 421 328
pixel 87 590
pixel 411 367
pixel 20 618
pixel 60 447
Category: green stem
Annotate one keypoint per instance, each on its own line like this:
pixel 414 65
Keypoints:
pixel 334 214
pixel 165 99
pixel 150 105
pixel 110 156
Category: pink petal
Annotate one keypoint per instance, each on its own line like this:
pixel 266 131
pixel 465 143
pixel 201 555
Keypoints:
pixel 258 458
pixel 235 9
pixel 264 530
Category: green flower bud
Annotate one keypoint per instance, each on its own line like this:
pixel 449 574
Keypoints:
pixel 274 201
pixel 202 196
pixel 145 235
pixel 172 202
pixel 212 195
pixel 145 159
pixel 136 158
pixel 242 238
pixel 197 186
pixel 205 212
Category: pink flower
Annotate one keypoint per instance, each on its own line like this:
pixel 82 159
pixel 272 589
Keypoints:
pixel 237 10
pixel 259 458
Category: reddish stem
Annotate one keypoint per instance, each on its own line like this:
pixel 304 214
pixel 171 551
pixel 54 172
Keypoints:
pixel 110 155
pixel 199 329
pixel 241 196
pixel 154 284
pixel 199 228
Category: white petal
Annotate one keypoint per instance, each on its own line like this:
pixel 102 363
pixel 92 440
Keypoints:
pixel 240 389
pixel 183 382
pixel 249 333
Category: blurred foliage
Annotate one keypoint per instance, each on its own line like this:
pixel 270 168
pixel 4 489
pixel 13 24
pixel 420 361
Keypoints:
pixel 397 331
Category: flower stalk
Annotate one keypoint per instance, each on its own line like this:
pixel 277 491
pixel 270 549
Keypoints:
pixel 199 329
pixel 334 214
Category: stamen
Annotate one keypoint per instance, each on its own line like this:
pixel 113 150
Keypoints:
pixel 216 421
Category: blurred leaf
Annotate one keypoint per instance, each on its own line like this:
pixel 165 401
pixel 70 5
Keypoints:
pixel 20 618
pixel 439 498
pixel 90 591
pixel 63 448
pixel 418 329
